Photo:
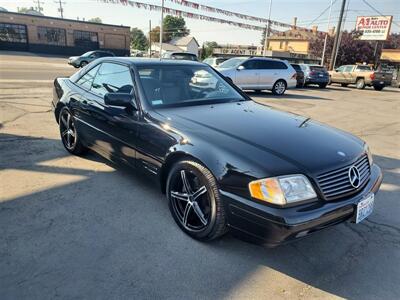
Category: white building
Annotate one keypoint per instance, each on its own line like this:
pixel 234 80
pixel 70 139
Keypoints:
pixel 179 44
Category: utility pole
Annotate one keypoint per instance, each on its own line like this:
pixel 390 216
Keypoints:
pixel 337 34
pixel 326 36
pixel 161 27
pixel 39 5
pixel 268 28
pixel 60 9
pixel 150 38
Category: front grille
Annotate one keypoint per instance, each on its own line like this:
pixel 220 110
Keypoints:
pixel 336 184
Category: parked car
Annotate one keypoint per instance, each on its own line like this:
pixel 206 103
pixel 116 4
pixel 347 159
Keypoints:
pixel 180 56
pixel 224 161
pixel 84 59
pixel 361 76
pixel 315 74
pixel 250 73
pixel 300 75
pixel 215 61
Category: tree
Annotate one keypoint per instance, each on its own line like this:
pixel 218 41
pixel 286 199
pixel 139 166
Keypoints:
pixel 24 10
pixel 174 27
pixel 138 39
pixel 353 50
pixel 207 49
pixel 263 35
pixel 155 34
pixel 95 20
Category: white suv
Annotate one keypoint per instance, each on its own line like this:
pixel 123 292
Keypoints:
pixel 259 73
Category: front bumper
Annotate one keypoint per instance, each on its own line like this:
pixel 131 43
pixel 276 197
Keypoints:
pixel 273 226
pixel 73 63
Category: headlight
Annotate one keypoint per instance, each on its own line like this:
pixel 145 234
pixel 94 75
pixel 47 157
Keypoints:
pixel 370 159
pixel 283 189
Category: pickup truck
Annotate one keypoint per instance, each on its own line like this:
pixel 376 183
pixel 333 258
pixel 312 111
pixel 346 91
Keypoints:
pixel 361 76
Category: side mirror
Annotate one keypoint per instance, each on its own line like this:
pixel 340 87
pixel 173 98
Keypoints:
pixel 228 79
pixel 120 99
pixel 240 68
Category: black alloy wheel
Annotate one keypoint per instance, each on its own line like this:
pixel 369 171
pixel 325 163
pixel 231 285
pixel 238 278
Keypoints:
pixel 194 201
pixel 69 134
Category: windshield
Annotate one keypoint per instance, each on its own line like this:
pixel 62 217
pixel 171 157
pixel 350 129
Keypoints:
pixel 184 56
pixel 317 68
pixel 87 53
pixel 233 62
pixel 364 68
pixel 177 85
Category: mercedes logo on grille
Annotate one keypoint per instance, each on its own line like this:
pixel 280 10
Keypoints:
pixel 354 176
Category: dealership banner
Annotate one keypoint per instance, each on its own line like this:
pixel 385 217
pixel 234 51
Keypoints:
pixel 374 28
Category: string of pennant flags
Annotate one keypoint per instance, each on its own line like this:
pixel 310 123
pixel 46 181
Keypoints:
pixel 197 6
pixel 228 13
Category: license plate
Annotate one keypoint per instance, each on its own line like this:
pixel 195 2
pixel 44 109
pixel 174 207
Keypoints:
pixel 321 75
pixel 381 82
pixel 365 208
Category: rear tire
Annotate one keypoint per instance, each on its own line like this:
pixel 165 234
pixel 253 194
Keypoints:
pixel 257 91
pixel 360 84
pixel 322 85
pixel 84 63
pixel 378 87
pixel 202 217
pixel 279 87
pixel 344 84
pixel 69 134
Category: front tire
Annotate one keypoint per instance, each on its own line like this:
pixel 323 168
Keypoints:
pixel 279 87
pixel 194 201
pixel 360 84
pixel 69 134
pixel 344 84
pixel 84 63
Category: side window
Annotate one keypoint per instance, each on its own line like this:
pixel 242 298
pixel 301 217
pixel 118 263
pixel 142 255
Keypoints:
pixel 340 69
pixel 86 80
pixel 250 64
pixel 278 65
pixel 263 64
pixel 112 78
pixel 348 69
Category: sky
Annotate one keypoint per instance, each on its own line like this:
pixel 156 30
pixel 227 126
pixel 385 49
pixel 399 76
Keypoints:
pixel 306 12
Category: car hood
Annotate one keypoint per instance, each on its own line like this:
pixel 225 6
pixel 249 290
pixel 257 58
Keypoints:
pixel 73 57
pixel 254 128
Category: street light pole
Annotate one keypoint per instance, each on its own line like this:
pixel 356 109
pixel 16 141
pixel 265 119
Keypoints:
pixel 161 27
pixel 326 36
pixel 268 28
pixel 337 34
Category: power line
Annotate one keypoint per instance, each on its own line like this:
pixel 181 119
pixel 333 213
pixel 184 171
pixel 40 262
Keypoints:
pixel 377 11
pixel 60 9
pixel 321 14
pixel 38 5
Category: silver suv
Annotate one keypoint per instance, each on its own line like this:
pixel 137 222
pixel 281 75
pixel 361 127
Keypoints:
pixel 259 73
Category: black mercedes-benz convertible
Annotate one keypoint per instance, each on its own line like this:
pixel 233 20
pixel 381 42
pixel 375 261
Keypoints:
pixel 226 163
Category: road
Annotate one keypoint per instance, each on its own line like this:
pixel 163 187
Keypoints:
pixel 80 227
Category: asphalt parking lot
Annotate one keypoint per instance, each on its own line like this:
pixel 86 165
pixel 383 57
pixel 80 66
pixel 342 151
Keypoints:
pixel 74 227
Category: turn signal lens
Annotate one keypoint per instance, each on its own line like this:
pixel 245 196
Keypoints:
pixel 282 190
pixel 267 190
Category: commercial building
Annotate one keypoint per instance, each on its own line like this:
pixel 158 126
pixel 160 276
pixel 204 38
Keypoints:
pixel 249 50
pixel 390 61
pixel 42 34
